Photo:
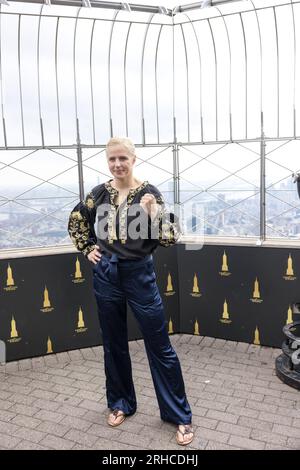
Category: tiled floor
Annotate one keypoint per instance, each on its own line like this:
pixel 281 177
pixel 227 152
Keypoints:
pixel 58 401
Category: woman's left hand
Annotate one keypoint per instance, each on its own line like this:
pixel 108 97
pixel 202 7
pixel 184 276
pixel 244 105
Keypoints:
pixel 149 204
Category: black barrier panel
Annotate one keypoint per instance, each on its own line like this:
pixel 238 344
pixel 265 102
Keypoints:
pixel 47 303
pixel 239 293
pixel 236 293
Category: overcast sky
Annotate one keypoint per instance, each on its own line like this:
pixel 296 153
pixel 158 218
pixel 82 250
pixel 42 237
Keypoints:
pixel 188 77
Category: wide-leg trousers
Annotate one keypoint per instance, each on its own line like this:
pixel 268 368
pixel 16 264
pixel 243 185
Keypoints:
pixel 115 282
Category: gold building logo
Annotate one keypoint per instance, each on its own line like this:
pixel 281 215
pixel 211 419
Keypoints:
pixel 196 328
pixel 170 329
pixel 170 290
pixel 49 346
pixel 78 278
pixel 256 298
pixel 196 291
pixel 289 316
pixel 47 307
pixel 81 328
pixel 14 335
pixel 289 274
pixel 225 315
pixel 256 337
pixel 224 269
pixel 10 283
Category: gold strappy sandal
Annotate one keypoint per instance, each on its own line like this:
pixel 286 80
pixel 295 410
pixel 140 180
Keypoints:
pixel 116 418
pixel 188 429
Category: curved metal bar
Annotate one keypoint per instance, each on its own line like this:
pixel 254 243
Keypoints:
pixel 230 66
pixel 74 71
pixel 1 84
pixel 263 7
pixel 56 83
pixel 262 230
pixel 91 81
pixel 124 76
pixel 20 78
pixel 187 83
pixel 294 84
pixel 109 87
pixel 142 77
pixel 216 80
pixel 260 46
pixel 246 76
pixel 278 84
pixel 38 74
pixel 173 82
pixel 200 64
pixel 78 139
pixel 156 92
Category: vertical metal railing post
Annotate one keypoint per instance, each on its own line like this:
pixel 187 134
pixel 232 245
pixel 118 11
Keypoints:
pixel 79 161
pixel 174 145
pixel 262 233
pixel 176 176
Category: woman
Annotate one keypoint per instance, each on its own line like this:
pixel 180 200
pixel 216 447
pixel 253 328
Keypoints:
pixel 123 271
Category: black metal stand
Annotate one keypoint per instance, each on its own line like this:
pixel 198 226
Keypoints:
pixel 288 364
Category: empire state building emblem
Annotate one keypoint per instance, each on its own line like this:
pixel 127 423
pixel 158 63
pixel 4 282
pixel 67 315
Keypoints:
pixel 196 291
pixel 47 307
pixel 81 328
pixel 256 298
pixel 289 274
pixel 170 290
pixel 78 278
pixel 14 335
pixel 225 315
pixel 196 328
pixel 224 269
pixel 256 337
pixel 49 346
pixel 10 282
pixel 289 315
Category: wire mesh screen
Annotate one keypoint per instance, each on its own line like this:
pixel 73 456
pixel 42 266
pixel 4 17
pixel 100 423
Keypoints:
pixel 210 96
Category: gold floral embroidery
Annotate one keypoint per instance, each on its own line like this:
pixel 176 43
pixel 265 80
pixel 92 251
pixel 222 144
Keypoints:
pixel 76 215
pixel 169 232
pixel 79 227
pixel 90 201
pixel 79 231
pixel 111 219
pixel 81 220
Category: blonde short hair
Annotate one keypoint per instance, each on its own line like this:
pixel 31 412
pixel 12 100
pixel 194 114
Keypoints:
pixel 124 141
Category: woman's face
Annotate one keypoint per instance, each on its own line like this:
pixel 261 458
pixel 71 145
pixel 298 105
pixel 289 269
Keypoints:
pixel 120 162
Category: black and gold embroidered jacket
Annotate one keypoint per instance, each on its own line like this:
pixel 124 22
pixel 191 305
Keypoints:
pixel 82 223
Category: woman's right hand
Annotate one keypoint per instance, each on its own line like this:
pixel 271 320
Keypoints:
pixel 95 255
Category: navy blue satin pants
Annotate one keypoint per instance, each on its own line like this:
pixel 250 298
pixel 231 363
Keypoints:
pixel 116 281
